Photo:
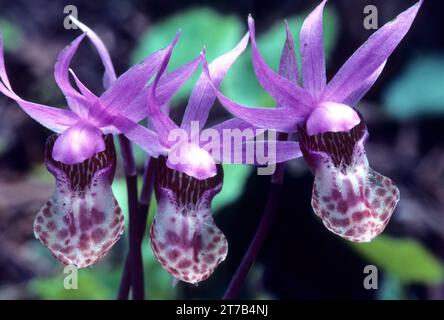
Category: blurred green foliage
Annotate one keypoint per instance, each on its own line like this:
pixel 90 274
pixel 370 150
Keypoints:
pixel 235 178
pixel 11 33
pixel 405 259
pixel 93 283
pixel 102 281
pixel 419 90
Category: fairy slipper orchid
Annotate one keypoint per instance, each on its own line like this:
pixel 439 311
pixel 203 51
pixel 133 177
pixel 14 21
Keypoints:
pixel 82 220
pixel 353 201
pixel 184 236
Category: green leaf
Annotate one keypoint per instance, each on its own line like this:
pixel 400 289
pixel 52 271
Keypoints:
pixel 235 178
pixel 200 27
pixel 418 90
pixel 241 83
pixel 406 259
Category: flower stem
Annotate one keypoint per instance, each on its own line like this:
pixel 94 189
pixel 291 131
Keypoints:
pixel 261 234
pixel 135 251
pixel 143 207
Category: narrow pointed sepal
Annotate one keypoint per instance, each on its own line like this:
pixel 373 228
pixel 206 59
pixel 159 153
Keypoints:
pixel 353 201
pixel 82 220
pixel 184 237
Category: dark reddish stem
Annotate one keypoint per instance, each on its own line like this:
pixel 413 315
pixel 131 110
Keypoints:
pixel 261 234
pixel 143 207
pixel 135 251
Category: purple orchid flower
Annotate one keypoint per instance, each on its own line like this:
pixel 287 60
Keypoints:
pixel 353 201
pixel 82 220
pixel 184 236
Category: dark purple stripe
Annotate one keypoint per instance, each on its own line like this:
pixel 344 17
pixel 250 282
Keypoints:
pixel 81 174
pixel 338 145
pixel 187 189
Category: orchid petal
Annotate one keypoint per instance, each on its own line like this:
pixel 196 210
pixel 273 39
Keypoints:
pixel 110 75
pixel 184 237
pixel 83 89
pixel 127 87
pixel 167 87
pixel 258 152
pixel 161 122
pixel 170 83
pixel 369 58
pixel 52 118
pixel 79 103
pixel 55 119
pixel 78 143
pixel 361 91
pixel 281 119
pixel 281 89
pixel 332 117
pixel 202 98
pixel 82 220
pixel 312 52
pixel 234 123
pixel 145 138
pixel 288 66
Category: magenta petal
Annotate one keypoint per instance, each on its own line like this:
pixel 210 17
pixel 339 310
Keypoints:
pixel 233 123
pixel 161 122
pixel 332 117
pixel 184 237
pixel 54 119
pixel 78 143
pixel 369 58
pixel 353 201
pixel 76 101
pixel 145 138
pixel 127 87
pixel 258 152
pixel 167 87
pixel 280 119
pixel 288 66
pixel 364 87
pixel 82 220
pixel 191 159
pixel 83 89
pixel 171 82
pixel 110 75
pixel 281 89
pixel 285 119
pixel 202 98
pixel 312 52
